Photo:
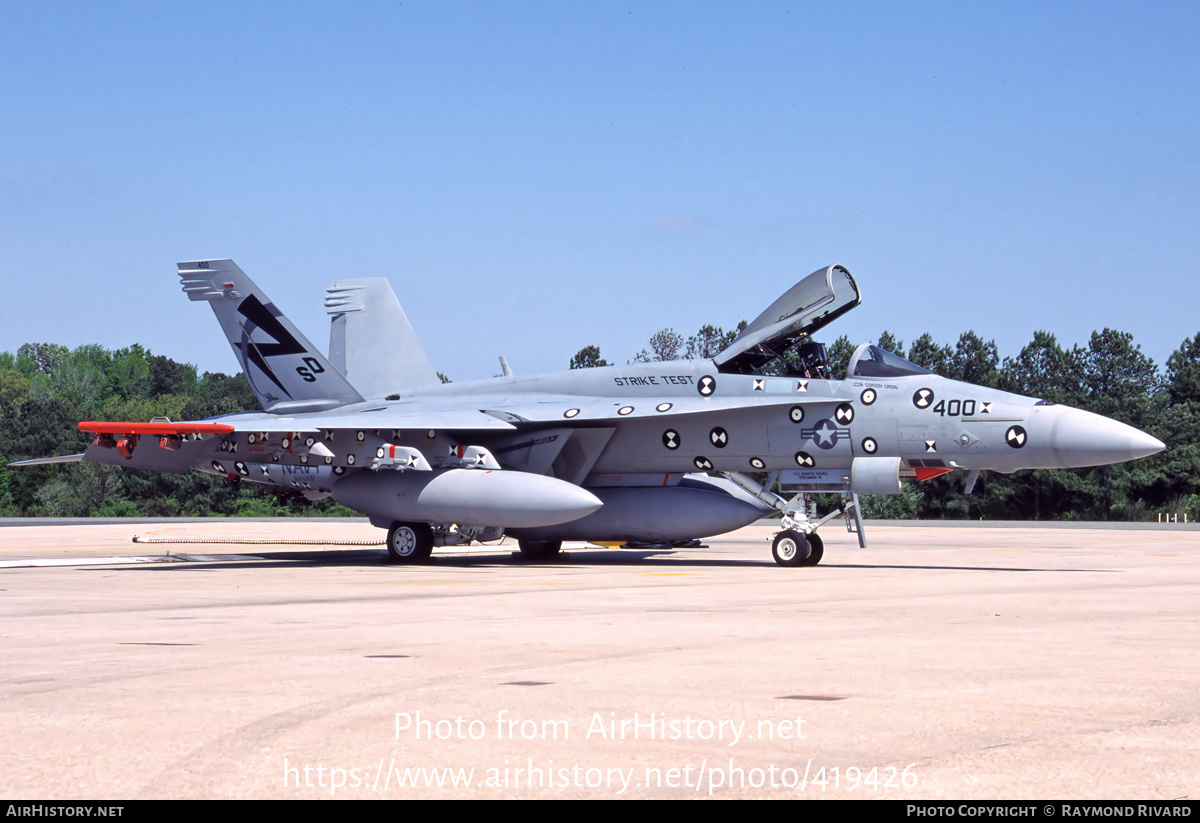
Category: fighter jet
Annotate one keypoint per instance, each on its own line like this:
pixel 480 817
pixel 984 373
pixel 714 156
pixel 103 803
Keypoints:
pixel 660 453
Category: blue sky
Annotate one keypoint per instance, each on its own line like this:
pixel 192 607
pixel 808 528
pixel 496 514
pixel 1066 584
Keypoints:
pixel 536 177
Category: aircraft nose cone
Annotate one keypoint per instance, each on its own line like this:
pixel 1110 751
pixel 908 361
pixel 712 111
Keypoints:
pixel 1080 438
pixel 1143 445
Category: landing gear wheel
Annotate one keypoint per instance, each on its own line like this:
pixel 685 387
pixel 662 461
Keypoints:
pixel 816 550
pixel 410 542
pixel 790 548
pixel 539 549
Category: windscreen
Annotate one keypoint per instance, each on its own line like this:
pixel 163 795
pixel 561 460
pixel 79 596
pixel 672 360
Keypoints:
pixel 873 361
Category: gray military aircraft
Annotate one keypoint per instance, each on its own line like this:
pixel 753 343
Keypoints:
pixel 658 453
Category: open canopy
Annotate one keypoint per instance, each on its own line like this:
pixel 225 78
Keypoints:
pixel 814 302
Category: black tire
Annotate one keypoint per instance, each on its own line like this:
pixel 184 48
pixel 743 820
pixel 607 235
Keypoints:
pixel 816 550
pixel 790 548
pixel 410 542
pixel 539 549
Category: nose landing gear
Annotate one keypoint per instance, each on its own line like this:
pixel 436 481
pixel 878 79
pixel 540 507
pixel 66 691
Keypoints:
pixel 794 548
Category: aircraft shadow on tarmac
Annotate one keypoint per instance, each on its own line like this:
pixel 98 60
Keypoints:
pixel 504 557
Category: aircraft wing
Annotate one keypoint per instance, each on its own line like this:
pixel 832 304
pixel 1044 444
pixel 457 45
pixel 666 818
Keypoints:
pixel 480 413
pixel 382 417
pixel 160 428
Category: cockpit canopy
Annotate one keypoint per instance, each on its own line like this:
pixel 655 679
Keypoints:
pixel 869 360
pixel 811 304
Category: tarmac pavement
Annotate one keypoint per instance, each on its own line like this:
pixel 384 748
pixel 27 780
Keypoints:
pixel 940 662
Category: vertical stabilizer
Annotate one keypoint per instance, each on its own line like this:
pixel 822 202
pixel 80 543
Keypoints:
pixel 288 374
pixel 371 340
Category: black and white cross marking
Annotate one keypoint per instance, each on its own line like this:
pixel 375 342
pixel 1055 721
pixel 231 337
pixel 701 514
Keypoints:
pixel 670 439
pixel 805 459
pixel 923 398
pixel 706 385
pixel 868 396
pixel 985 407
pixel 718 437
pixel 801 385
pixel 266 470
pixel 702 463
pixel 241 467
pixel 930 446
pixel 844 414
pixel 758 384
pixel 869 446
pixel 1015 437
pixel 218 467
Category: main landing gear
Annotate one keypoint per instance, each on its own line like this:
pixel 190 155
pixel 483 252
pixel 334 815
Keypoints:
pixel 409 542
pixel 539 549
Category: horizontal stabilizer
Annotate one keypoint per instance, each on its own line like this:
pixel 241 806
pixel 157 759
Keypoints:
pixel 46 461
